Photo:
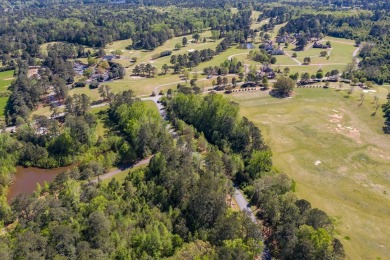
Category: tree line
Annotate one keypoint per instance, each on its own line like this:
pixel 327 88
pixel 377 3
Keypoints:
pixel 292 228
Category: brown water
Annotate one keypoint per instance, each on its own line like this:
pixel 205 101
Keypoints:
pixel 26 179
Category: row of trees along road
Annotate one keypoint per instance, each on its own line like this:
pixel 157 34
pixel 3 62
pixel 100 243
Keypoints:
pixel 293 230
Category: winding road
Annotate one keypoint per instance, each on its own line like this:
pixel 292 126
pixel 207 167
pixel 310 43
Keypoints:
pixel 240 199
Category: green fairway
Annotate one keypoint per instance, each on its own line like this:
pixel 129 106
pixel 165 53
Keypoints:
pixel 339 158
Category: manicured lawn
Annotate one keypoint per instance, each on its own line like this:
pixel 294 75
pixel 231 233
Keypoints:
pixel 285 60
pixel 341 52
pixel 92 93
pixel 337 155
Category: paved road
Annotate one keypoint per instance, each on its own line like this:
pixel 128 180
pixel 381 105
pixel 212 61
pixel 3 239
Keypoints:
pixel 237 54
pixel 115 172
pixel 294 59
pixel 241 201
pixel 243 204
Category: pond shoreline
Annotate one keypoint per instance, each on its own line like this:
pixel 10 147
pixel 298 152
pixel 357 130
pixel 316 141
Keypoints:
pixel 25 179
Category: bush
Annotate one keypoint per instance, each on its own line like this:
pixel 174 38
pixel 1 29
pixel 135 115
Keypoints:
pixel 93 85
pixel 79 84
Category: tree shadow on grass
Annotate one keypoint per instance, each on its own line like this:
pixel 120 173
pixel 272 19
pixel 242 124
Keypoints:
pixel 276 94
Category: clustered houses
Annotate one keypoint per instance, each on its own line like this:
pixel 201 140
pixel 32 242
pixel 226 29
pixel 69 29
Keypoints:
pixel 269 48
pixel 79 67
pixel 267 72
pixel 285 39
pixel 100 77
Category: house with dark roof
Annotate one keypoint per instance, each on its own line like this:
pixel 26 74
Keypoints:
pixel 268 72
pixel 108 57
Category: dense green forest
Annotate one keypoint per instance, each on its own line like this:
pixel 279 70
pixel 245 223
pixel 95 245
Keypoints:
pixel 93 25
pixel 174 207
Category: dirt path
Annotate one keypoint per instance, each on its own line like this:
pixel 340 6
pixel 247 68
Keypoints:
pixel 294 59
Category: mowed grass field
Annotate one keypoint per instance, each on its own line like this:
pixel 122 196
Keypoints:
pixel 145 86
pixel 335 151
pixel 6 78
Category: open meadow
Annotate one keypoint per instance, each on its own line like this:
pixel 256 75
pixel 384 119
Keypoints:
pixel 6 78
pixel 336 153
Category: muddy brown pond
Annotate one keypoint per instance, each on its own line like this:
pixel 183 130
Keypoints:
pixel 26 179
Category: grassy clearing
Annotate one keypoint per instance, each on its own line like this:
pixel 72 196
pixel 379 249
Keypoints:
pixel 101 115
pixel 351 179
pixel 120 177
pixel 92 93
pixel 342 40
pixel 255 15
pixel 150 105
pixel 341 52
pixel 234 10
pixel 275 31
pixel 44 46
pixel 45 111
pixel 284 60
pixel 6 78
pixel 119 45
